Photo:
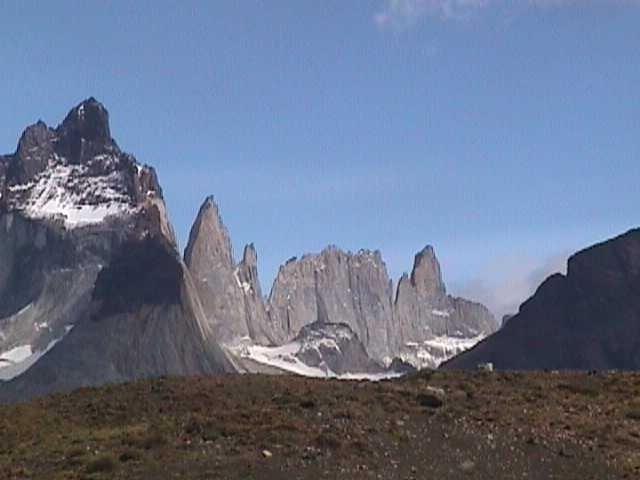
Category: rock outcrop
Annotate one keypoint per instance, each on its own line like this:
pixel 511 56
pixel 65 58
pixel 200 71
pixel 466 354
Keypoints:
pixel 336 287
pixel 324 350
pixel 72 203
pixel 588 319
pixel 335 347
pixel 230 293
pixel 144 320
pixel 421 325
pixel 434 326
pixel 259 324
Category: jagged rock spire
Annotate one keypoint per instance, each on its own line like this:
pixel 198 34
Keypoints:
pixel 426 276
pixel 209 242
pixel 85 132
pixel 35 147
pixel 89 120
pixel 248 271
pixel 210 260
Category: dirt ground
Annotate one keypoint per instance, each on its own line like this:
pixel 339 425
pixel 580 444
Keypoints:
pixel 440 425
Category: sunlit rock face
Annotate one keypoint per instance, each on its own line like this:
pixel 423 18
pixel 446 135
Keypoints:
pixel 336 287
pixel 434 326
pixel 230 293
pixel 418 323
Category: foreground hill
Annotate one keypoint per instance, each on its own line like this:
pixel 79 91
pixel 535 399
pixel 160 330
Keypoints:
pixel 586 319
pixel 486 426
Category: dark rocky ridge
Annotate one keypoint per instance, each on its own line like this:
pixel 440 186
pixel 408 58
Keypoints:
pixel 83 144
pixel 131 331
pixel 157 278
pixel 42 253
pixel 588 319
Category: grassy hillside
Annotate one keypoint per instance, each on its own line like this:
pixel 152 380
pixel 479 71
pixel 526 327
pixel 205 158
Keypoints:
pixel 489 425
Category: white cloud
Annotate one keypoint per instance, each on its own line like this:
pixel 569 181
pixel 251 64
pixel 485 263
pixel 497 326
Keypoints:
pixel 403 14
pixel 507 282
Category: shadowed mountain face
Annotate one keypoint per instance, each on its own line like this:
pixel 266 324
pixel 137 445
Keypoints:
pixel 588 319
pixel 144 321
pixel 92 289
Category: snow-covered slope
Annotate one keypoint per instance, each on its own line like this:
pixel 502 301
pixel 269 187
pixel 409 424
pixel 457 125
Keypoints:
pixel 75 174
pixel 432 352
pixel 72 194
pixel 320 350
pixel 19 359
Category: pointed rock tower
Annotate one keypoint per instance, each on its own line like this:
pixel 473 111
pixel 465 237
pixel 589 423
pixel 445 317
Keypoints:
pixel 432 325
pixel 231 295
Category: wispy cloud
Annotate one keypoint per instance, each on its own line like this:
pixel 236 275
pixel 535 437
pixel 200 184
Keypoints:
pixel 403 14
pixel 509 281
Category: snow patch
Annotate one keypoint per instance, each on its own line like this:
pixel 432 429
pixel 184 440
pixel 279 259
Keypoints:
pixel 16 354
pixel 19 359
pixel 284 358
pixel 74 194
pixel 434 351
pixel 440 313
pixel 245 286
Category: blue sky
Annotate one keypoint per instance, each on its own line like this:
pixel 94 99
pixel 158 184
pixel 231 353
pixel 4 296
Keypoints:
pixel 505 133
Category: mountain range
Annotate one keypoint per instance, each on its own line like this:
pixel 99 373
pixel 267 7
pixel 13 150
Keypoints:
pixel 94 290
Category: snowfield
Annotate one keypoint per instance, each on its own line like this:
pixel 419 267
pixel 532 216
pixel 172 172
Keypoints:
pixel 71 193
pixel 284 358
pixel 432 352
pixel 19 359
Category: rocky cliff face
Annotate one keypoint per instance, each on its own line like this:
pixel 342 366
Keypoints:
pixel 336 287
pixel 588 319
pixel 259 324
pixel 434 326
pixel 231 295
pixel 71 204
pixel 421 324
